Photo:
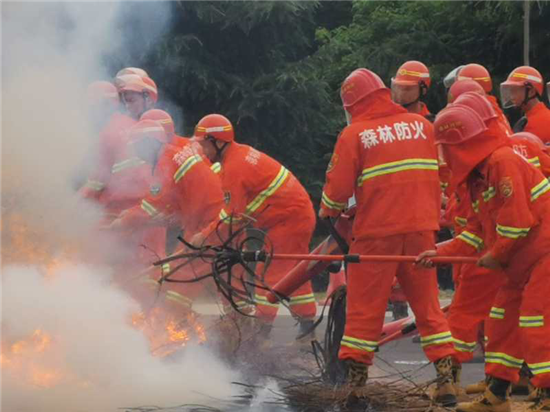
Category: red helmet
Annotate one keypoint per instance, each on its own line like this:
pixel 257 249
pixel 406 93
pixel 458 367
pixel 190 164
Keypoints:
pixel 533 138
pixel 216 126
pixel 135 83
pixel 520 78
pixel 457 124
pixel 478 103
pixel 463 86
pixel 412 73
pixel 163 118
pixel 478 73
pixel 132 70
pixel 358 85
pixel 147 129
pixel 102 92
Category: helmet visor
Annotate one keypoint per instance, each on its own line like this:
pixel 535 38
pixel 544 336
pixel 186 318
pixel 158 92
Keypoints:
pixel 511 95
pixel 451 77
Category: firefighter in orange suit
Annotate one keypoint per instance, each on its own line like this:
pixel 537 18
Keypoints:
pixel 388 159
pixel 523 89
pixel 183 192
pixel 533 149
pixel 258 186
pixel 509 222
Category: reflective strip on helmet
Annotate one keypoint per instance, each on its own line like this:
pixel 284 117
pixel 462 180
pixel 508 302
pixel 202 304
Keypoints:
pixel 271 189
pixel 471 239
pixel 539 368
pixel 331 204
pixel 503 359
pixel 479 79
pixel 489 194
pixel 359 344
pixel 462 346
pixel 150 209
pixel 262 300
pixel 497 313
pixel 512 232
pixel 126 164
pixel 226 128
pixel 527 77
pixel 461 221
pixel 150 129
pixel 436 339
pixel 302 299
pixel 186 166
pixel 534 161
pixel 179 299
pixel 531 321
pixel 395 167
pixel 216 167
pixel 413 73
pixel 95 185
pixel 540 189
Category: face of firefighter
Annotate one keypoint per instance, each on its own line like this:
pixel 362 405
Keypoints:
pixel 513 96
pixel 209 149
pixel 147 149
pixel 402 94
pixel 135 103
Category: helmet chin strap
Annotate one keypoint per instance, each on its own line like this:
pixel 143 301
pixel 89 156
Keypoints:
pixel 526 99
pixel 219 150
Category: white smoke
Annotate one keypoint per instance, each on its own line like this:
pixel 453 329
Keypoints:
pixel 99 362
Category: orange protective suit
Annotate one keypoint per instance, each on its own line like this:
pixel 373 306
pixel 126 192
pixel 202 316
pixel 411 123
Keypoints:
pixel 118 182
pixel 538 119
pixel 387 158
pixel 533 153
pixel 476 288
pixel 510 217
pixel 184 192
pixel 258 186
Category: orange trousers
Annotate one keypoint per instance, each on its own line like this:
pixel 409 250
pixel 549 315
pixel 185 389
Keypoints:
pixel 518 328
pixel 476 290
pixel 369 286
pixel 291 236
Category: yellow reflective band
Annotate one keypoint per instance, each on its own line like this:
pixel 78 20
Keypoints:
pixel 186 166
pixel 462 346
pixel 489 194
pixel 539 368
pixel 179 299
pixel 471 239
pixel 150 209
pixel 503 359
pixel 413 73
pixel 531 321
pixel 395 167
pixel 475 206
pixel 331 204
pixel 534 161
pixel 271 189
pixel 437 339
pixel 512 232
pixel 216 167
pixel 497 313
pixel 126 164
pixel 540 189
pixel 166 268
pixel 359 344
pixel 262 300
pixel 225 218
pixel 95 185
pixel 461 221
pixel 302 299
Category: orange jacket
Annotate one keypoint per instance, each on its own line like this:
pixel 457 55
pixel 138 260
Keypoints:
pixel 184 191
pixel 509 213
pixel 112 153
pixel 533 154
pixel 501 116
pixel 388 159
pixel 538 122
pixel 258 186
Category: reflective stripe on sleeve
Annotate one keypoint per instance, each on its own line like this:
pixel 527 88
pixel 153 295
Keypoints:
pixel 512 232
pixel 271 189
pixel 331 204
pixel 186 166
